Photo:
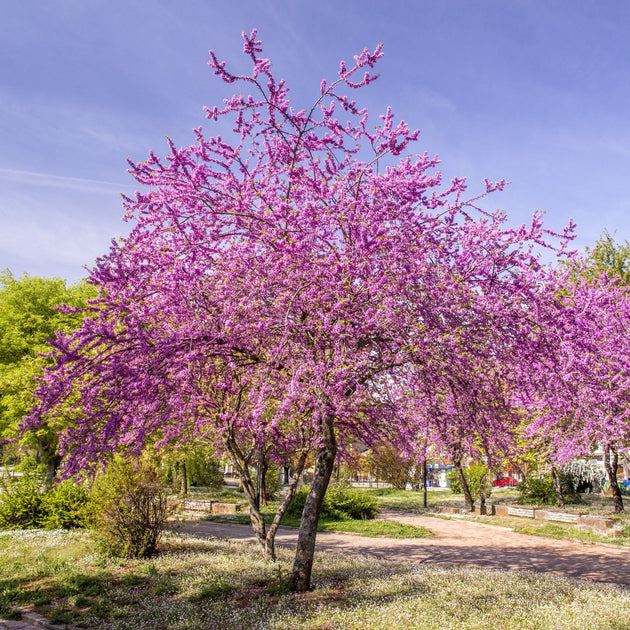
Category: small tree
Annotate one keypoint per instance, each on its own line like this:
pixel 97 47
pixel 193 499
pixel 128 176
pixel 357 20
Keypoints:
pixel 477 482
pixel 30 314
pixel 388 464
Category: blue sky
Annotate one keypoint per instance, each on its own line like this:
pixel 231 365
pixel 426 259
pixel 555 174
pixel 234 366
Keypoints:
pixel 537 93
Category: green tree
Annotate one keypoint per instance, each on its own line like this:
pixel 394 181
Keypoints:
pixel 611 257
pixel 388 464
pixel 29 316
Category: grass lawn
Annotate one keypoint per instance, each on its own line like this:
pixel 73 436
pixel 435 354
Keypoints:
pixel 195 584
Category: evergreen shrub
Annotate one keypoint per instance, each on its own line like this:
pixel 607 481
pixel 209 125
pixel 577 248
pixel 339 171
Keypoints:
pixel 538 489
pixel 25 503
pixel 341 502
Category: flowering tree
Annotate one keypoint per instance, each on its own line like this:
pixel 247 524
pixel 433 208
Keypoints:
pixel 277 287
pixel 580 397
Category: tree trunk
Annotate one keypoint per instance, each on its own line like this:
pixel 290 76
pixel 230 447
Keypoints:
pixel 175 481
pixel 293 482
pixel 264 536
pixel 183 480
pixel 611 461
pixel 263 467
pixel 300 580
pixel 250 487
pixel 424 483
pixel 47 454
pixel 470 504
pixel 557 484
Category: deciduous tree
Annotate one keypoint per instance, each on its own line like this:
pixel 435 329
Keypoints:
pixel 277 285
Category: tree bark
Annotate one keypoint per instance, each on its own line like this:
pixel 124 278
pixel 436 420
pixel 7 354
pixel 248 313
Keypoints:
pixel 264 536
pixel 470 504
pixel 557 485
pixel 611 461
pixel 300 580
pixel 183 479
pixel 175 482
pixel 47 454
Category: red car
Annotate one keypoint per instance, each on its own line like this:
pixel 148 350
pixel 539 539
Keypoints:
pixel 505 481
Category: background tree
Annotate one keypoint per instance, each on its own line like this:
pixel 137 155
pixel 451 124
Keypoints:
pixel 29 317
pixel 387 463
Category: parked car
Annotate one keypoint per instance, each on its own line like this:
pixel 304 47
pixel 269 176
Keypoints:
pixel 505 481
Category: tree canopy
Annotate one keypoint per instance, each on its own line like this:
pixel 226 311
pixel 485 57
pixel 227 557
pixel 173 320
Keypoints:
pixel 30 315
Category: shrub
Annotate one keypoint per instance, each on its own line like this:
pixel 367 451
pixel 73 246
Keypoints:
pixel 341 502
pixel 453 482
pixel 272 483
pixel 203 470
pixel 479 480
pixel 24 503
pixel 539 489
pixel 64 506
pixel 388 464
pixel 21 502
pixel 128 510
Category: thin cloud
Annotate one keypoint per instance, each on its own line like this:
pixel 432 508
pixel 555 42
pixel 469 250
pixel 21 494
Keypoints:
pixel 60 181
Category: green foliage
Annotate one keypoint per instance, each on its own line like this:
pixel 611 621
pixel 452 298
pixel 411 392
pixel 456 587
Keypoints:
pixel 27 464
pixel 64 506
pixel 341 502
pixel 478 477
pixel 387 464
pixel 24 503
pixel 611 257
pixel 128 510
pixel 28 318
pixel 272 483
pixel 203 469
pixel 453 482
pixel 21 502
pixel 479 480
pixel 539 489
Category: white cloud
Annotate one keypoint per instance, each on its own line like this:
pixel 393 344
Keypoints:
pixel 59 181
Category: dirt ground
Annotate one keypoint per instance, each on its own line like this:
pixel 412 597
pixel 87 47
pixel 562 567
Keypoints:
pixel 461 543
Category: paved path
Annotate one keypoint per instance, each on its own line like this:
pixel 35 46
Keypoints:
pixel 461 543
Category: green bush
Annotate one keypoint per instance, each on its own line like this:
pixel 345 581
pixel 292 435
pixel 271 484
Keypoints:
pixel 204 470
pixel 21 502
pixel 128 510
pixel 453 482
pixel 272 483
pixel 341 502
pixel 64 506
pixel 24 503
pixel 478 477
pixel 539 489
